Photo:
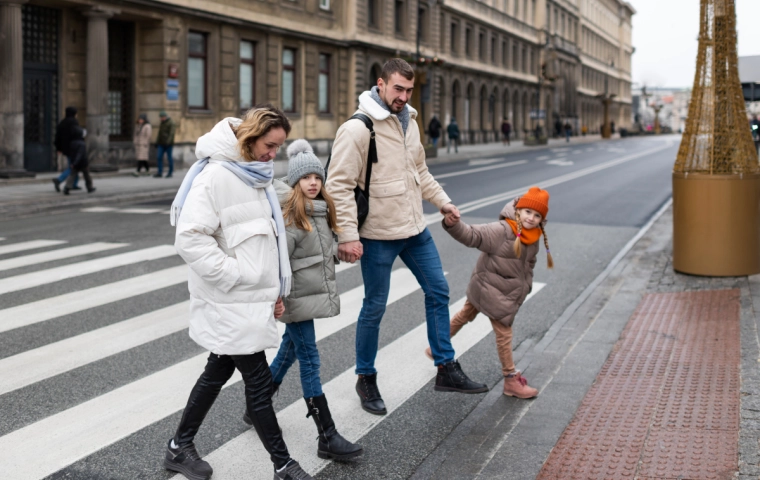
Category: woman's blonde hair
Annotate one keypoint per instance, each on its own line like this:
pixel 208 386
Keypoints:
pixel 517 247
pixel 257 122
pixel 294 210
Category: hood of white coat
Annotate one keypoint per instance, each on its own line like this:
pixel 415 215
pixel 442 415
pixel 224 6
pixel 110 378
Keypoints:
pixel 220 143
pixel 369 105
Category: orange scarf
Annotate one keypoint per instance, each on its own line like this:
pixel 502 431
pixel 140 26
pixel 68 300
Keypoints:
pixel 528 236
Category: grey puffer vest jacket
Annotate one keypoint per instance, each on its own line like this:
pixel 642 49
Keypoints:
pixel 313 255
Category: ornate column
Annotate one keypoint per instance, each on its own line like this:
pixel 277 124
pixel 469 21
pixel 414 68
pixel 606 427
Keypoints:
pixel 97 85
pixel 11 91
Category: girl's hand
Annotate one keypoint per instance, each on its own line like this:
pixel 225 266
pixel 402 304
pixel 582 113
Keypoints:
pixel 451 220
pixel 279 308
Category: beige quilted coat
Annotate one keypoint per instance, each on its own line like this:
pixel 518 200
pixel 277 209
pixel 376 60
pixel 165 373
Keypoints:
pixel 141 139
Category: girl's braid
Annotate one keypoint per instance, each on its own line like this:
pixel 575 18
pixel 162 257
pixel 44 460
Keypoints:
pixel 549 259
pixel 518 243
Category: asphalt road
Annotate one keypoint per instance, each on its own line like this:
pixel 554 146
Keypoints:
pixel 95 368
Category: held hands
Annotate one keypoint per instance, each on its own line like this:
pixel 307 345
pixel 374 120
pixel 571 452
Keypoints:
pixel 350 251
pixel 279 308
pixel 450 214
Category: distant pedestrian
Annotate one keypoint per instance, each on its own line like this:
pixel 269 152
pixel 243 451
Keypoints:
pixel 503 275
pixel 612 127
pixel 568 131
pixel 557 128
pixel 584 130
pixel 506 132
pixel 141 140
pixel 434 130
pixel 165 144
pixel 453 131
pixel 79 161
pixel 63 136
pixel 312 226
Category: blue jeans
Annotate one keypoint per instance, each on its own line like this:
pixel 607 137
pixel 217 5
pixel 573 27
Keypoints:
pixel 299 342
pixel 435 141
pixel 65 174
pixel 421 257
pixel 160 160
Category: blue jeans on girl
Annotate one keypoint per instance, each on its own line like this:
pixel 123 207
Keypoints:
pixel 299 342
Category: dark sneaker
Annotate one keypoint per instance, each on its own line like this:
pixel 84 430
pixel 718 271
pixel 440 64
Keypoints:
pixel 366 388
pixel 76 188
pixel 451 378
pixel 292 471
pixel 57 184
pixel 169 176
pixel 185 460
pixel 65 190
pixel 158 175
pixel 90 190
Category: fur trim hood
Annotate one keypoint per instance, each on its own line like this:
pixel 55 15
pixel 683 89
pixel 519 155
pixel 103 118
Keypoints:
pixel 376 111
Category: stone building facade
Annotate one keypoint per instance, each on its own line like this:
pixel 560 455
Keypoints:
pixel 477 60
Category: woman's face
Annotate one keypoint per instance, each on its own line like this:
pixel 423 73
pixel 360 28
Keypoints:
pixel 311 185
pixel 140 121
pixel 265 148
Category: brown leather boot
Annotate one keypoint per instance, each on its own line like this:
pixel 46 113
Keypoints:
pixel 515 385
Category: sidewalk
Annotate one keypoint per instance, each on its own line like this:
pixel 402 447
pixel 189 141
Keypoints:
pixel 24 197
pixel 648 374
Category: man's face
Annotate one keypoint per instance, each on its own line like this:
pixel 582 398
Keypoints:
pixel 396 92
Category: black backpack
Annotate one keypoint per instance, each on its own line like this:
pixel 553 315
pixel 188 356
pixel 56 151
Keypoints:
pixel 362 196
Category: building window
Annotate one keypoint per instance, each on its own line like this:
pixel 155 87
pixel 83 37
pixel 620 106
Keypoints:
pixel 196 70
pixel 482 46
pixel 524 59
pixel 372 13
pixel 289 80
pixel 504 53
pixel 324 4
pixel 247 75
pixel 468 41
pixel 493 50
pixel 515 57
pixel 422 24
pixel 324 83
pixel 454 38
pixel 398 18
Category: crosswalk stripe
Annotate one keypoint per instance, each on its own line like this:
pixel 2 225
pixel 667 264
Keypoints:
pixel 30 245
pixel 43 277
pixel 245 457
pixel 50 360
pixel 98 209
pixel 53 307
pixel 75 433
pixel 59 254
pixel 140 210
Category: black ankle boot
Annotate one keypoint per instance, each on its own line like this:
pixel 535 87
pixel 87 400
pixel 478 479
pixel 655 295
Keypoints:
pixel 366 388
pixel 331 443
pixel 185 460
pixel 451 378
pixel 247 418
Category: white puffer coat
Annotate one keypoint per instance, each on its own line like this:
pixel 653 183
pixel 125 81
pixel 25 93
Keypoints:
pixel 227 236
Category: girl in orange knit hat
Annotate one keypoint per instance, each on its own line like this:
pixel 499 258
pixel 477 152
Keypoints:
pixel 503 276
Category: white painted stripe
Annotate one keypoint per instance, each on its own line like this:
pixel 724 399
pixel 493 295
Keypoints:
pixel 504 197
pixel 2 239
pixel 40 363
pixel 43 277
pixel 60 254
pixel 90 426
pixel 484 161
pixel 480 169
pixel 140 210
pixel 53 307
pixel 32 244
pixel 245 457
pixel 98 209
pixel 544 157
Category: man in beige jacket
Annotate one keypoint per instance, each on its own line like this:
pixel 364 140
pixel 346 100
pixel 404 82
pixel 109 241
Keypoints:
pixel 395 226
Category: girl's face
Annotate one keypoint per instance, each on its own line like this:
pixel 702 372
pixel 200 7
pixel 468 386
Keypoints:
pixel 140 121
pixel 529 218
pixel 311 185
pixel 265 147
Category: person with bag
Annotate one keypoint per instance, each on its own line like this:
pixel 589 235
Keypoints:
pixel 395 225
pixel 79 162
pixel 310 223
pixel 231 233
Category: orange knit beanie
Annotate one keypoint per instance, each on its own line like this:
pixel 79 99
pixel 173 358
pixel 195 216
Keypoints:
pixel 536 199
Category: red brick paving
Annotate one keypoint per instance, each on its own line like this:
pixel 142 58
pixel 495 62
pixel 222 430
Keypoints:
pixel 666 403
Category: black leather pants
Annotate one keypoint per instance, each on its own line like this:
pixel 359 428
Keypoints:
pixel 258 397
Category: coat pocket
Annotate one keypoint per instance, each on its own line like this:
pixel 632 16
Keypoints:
pixel 301 263
pixel 388 205
pixel 255 247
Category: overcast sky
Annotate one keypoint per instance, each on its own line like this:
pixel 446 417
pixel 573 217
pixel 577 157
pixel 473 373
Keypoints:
pixel 665 36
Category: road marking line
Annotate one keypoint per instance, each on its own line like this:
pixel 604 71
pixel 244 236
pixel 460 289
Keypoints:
pixel 26 260
pixel 484 161
pixel 561 162
pixel 43 277
pixel 544 157
pixel 2 239
pixel 560 149
pixel 30 245
pixel 404 370
pixel 503 197
pixel 54 307
pixel 575 152
pixel 73 434
pixel 98 209
pixel 480 169
pixel 140 210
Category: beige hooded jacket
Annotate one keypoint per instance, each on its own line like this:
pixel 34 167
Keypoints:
pixel 400 178
pixel 500 281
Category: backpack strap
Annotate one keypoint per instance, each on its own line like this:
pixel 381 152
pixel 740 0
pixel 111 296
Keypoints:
pixel 371 153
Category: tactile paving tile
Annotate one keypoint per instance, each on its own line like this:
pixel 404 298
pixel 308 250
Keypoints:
pixel 666 402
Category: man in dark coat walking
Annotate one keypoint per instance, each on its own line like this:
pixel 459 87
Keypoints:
pixel 63 135
pixel 165 143
pixel 79 162
pixel 434 130
pixel 453 131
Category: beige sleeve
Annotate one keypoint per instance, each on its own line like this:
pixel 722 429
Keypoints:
pixel 431 189
pixel 346 165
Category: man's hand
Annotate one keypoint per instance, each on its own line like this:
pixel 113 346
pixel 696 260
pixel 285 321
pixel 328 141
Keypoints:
pixel 350 251
pixel 279 308
pixel 450 209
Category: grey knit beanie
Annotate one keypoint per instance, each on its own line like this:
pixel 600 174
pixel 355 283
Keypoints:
pixel 302 162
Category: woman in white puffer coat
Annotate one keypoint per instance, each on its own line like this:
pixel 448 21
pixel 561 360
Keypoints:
pixel 231 233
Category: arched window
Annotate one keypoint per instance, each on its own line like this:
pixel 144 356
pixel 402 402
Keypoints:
pixel 374 74
pixel 456 93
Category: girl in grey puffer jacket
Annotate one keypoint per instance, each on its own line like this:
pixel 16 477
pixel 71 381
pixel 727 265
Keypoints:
pixel 311 227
